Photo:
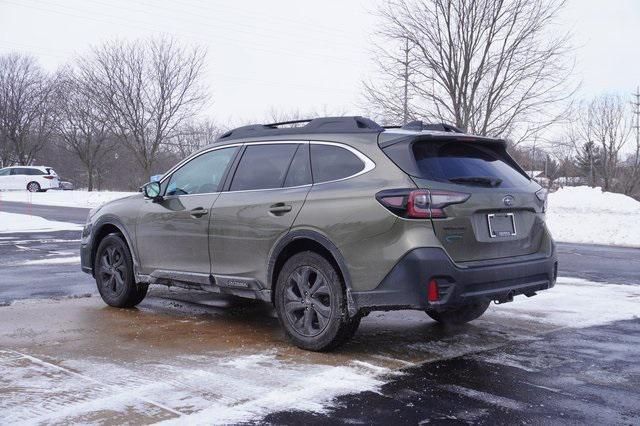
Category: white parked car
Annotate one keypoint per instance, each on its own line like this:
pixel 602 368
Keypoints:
pixel 31 178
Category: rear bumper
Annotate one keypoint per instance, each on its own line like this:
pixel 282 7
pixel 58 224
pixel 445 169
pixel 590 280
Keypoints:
pixel 405 287
pixel 50 184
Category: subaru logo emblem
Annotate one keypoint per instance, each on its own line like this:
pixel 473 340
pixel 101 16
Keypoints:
pixel 508 200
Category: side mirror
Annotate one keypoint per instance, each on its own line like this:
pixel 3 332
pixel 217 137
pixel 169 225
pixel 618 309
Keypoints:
pixel 152 191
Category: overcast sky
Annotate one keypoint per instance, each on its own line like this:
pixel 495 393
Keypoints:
pixel 291 55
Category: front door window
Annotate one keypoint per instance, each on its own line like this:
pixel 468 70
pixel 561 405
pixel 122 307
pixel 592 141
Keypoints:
pixel 202 175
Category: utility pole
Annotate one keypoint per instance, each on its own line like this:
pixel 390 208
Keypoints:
pixel 636 113
pixel 636 161
pixel 405 100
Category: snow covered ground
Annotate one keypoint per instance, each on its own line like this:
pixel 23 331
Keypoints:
pixel 63 198
pixel 13 222
pixel 587 215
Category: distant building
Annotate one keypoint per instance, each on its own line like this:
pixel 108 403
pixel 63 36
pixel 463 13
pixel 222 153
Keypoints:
pixel 555 183
pixel 570 181
pixel 539 176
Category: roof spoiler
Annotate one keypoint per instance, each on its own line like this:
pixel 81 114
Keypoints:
pixel 418 126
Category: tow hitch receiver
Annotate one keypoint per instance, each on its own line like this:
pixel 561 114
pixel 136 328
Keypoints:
pixel 506 298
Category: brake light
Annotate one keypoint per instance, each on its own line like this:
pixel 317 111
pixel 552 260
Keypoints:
pixel 419 203
pixel 49 177
pixel 432 291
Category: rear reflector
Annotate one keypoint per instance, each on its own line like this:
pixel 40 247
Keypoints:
pixel 49 177
pixel 432 291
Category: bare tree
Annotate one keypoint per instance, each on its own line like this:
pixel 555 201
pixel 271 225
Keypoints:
pixel 147 88
pixel 492 67
pixel 25 108
pixel 604 122
pixel 83 126
pixel 192 136
pixel 389 97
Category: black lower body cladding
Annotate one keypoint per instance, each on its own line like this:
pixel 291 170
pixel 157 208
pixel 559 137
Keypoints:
pixel 406 286
pixel 85 258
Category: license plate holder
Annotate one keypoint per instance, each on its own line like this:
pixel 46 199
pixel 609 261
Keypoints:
pixel 501 225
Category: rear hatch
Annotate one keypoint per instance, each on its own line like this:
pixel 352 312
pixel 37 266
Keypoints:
pixel 499 215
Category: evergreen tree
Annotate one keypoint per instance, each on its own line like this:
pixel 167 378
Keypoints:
pixel 589 159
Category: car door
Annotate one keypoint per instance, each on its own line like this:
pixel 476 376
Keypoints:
pixel 265 194
pixel 18 178
pixel 5 178
pixel 172 233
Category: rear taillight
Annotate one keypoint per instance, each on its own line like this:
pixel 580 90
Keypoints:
pixel 49 177
pixel 419 203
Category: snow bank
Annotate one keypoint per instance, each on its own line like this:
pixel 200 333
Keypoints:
pixel 587 215
pixel 63 198
pixel 13 222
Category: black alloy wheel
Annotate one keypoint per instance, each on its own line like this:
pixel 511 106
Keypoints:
pixel 307 301
pixel 111 270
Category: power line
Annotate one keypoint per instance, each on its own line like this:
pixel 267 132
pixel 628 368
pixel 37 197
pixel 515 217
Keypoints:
pixel 68 11
pixel 252 28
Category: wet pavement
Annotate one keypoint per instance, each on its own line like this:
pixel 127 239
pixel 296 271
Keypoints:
pixel 566 356
pixel 584 376
pixel 599 263
pixel 198 358
pixel 57 213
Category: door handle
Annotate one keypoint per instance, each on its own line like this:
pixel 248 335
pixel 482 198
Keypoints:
pixel 280 208
pixel 198 212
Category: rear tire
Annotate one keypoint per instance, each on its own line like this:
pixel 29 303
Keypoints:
pixel 311 303
pixel 461 314
pixel 113 269
pixel 33 187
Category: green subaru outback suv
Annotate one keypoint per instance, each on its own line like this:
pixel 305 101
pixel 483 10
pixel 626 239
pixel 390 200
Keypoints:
pixel 329 221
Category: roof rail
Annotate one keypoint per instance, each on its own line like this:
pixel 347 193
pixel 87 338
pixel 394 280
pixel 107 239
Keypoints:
pixel 419 126
pixel 355 124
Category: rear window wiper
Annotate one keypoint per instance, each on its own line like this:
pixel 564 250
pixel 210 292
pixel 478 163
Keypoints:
pixel 477 180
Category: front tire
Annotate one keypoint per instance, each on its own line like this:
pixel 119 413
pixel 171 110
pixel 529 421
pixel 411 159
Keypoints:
pixel 114 274
pixel 461 314
pixel 33 187
pixel 311 304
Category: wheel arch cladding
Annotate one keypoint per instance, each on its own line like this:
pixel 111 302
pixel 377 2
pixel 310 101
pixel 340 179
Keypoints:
pixel 105 228
pixel 304 240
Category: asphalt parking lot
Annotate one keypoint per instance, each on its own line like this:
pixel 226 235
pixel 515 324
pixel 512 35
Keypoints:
pixel 567 356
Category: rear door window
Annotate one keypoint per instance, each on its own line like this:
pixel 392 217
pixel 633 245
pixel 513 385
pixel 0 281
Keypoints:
pixel 459 162
pixel 330 162
pixel 263 167
pixel 300 170
pixel 34 172
pixel 5 172
pixel 19 171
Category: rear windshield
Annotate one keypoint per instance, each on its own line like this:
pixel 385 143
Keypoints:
pixel 457 161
